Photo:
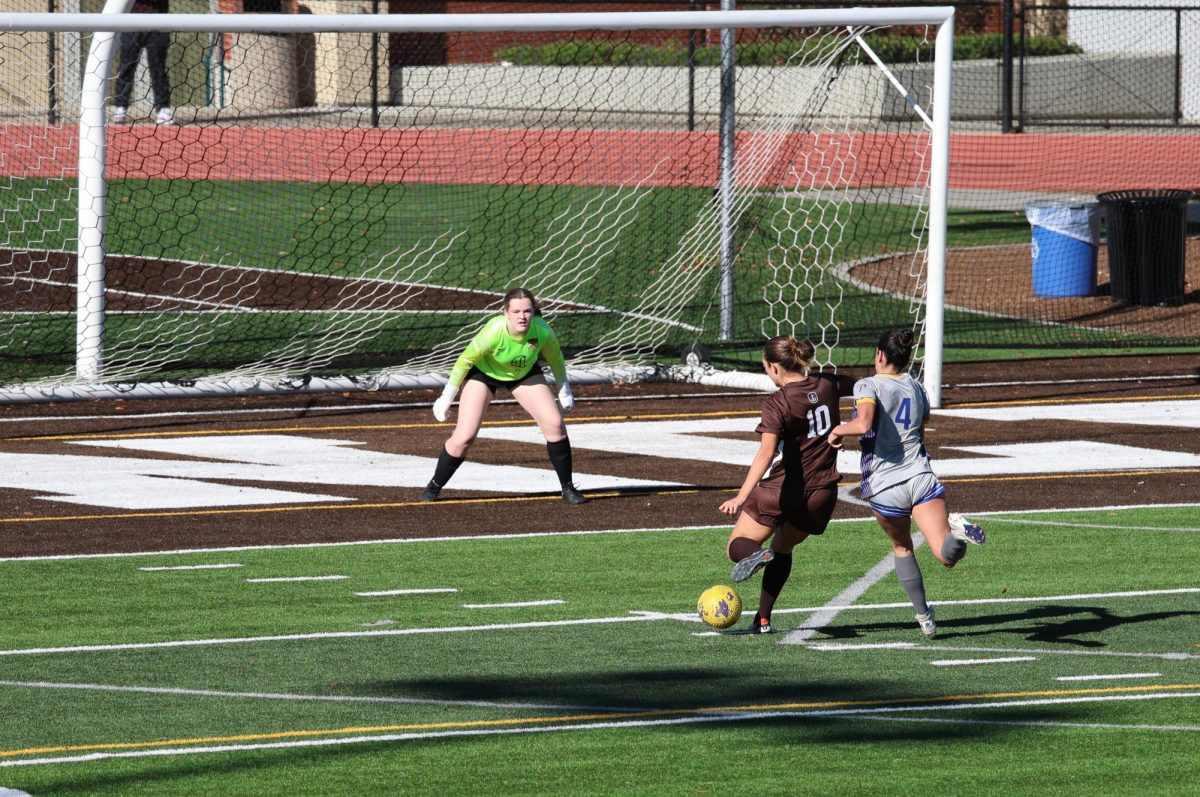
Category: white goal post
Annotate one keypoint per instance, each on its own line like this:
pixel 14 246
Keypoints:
pixel 162 331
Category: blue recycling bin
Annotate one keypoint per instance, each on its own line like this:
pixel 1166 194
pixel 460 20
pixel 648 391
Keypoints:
pixel 1066 236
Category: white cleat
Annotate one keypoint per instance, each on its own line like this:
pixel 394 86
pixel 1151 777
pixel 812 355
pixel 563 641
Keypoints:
pixel 165 116
pixel 120 114
pixel 928 626
pixel 965 530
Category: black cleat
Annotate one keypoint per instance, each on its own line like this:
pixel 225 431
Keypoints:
pixel 431 492
pixel 760 625
pixel 752 564
pixel 572 495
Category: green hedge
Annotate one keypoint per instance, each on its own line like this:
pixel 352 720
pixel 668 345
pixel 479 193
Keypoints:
pixel 892 49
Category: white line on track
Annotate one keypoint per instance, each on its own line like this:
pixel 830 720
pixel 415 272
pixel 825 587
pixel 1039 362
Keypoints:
pixel 418 701
pixel 1110 677
pixel 530 535
pixel 513 604
pixel 866 713
pixel 286 579
pixel 387 593
pixel 188 567
pixel 969 662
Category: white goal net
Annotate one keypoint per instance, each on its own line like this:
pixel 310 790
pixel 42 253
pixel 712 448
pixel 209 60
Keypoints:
pixel 336 202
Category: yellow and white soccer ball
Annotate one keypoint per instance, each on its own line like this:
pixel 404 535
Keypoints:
pixel 719 606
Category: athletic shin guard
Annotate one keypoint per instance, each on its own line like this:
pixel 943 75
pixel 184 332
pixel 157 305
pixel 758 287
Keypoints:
pixel 446 466
pixel 909 573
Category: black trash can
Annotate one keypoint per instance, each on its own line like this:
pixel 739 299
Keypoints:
pixel 1146 231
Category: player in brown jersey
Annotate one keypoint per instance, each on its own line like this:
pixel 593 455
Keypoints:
pixel 791 488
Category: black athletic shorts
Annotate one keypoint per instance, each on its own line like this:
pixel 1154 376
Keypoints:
pixel 534 377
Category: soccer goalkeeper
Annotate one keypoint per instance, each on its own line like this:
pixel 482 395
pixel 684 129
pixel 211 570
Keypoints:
pixel 505 354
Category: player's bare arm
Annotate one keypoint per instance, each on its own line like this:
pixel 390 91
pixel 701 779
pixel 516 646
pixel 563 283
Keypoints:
pixel 762 461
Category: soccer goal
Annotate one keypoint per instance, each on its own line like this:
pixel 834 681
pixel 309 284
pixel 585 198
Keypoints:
pixel 338 201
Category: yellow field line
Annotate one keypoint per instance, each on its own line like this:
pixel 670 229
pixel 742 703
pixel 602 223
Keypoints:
pixel 266 510
pixel 435 726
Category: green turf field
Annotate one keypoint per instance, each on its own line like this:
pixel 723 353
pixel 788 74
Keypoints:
pixel 1068 662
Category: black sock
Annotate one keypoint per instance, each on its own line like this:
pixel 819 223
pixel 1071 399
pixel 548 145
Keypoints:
pixel 742 547
pixel 560 458
pixel 446 465
pixel 776 573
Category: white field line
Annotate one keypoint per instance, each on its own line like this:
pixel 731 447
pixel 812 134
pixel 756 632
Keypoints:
pixel 533 534
pixel 287 579
pixel 972 662
pixel 188 643
pixel 188 567
pixel 1104 526
pixel 387 593
pixel 924 646
pixel 513 604
pixel 285 696
pixel 632 618
pixel 826 614
pixel 1109 677
pixel 869 713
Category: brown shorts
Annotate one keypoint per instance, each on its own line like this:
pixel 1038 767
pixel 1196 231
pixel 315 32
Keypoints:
pixel 809 510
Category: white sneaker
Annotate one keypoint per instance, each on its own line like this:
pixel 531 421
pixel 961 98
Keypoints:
pixel 928 626
pixel 963 529
pixel 120 114
pixel 165 116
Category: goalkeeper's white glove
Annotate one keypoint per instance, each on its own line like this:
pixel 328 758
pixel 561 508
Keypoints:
pixel 565 399
pixel 441 407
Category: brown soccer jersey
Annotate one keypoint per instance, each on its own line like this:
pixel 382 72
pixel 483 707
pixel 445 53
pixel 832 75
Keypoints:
pixel 802 413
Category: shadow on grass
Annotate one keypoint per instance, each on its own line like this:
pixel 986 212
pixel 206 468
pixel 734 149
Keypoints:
pixel 1057 625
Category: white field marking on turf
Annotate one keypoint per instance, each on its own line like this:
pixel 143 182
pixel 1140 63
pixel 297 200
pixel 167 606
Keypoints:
pixel 513 604
pixel 825 615
pixel 854 713
pixel 1000 660
pixel 1110 677
pixel 849 646
pixel 1095 526
pixel 286 579
pixel 692 617
pixel 188 567
pixel 187 643
pixel 286 696
pixel 385 593
pixel 523 535
pixel 1099 726
pixel 1180 413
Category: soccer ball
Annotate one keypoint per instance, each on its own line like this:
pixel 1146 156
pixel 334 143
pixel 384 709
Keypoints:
pixel 719 606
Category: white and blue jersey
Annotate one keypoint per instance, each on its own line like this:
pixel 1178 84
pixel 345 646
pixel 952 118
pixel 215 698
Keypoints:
pixel 893 452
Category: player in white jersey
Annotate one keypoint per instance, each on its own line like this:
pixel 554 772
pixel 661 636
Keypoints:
pixel 890 409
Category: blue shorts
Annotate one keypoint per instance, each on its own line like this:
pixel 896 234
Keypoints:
pixel 899 499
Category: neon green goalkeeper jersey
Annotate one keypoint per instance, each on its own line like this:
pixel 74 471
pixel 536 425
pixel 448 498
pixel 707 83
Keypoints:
pixel 502 356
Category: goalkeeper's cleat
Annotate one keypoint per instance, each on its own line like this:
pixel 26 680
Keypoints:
pixel 572 495
pixel 928 626
pixel 760 625
pixel 963 529
pixel 431 492
pixel 752 564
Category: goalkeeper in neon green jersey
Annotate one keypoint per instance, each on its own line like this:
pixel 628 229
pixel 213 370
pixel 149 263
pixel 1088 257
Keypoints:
pixel 505 353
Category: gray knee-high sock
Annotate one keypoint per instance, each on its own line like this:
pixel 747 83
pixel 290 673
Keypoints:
pixel 909 573
pixel 953 549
